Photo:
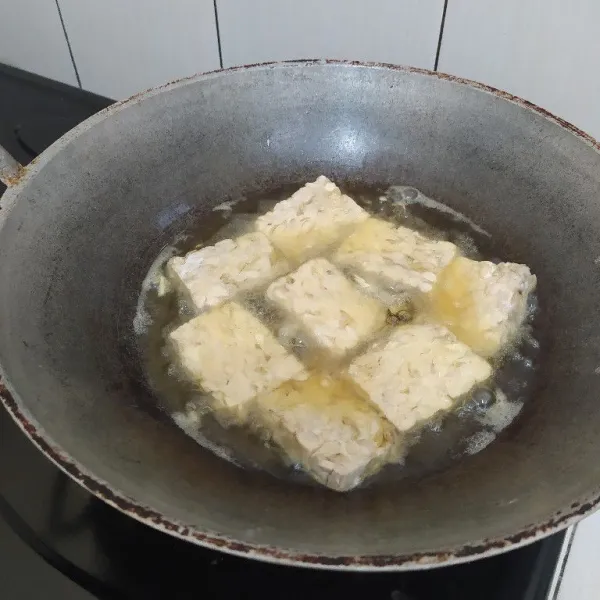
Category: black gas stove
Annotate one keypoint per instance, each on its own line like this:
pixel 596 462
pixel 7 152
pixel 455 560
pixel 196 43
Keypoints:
pixel 58 541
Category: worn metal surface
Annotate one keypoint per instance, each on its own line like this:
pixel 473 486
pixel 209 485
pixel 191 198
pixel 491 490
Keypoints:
pixel 80 227
pixel 10 169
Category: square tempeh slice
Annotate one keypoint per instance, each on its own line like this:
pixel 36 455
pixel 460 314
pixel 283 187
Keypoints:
pixel 325 427
pixel 420 370
pixel 230 354
pixel 482 303
pixel 312 219
pixel 214 274
pixel 330 309
pixel 396 257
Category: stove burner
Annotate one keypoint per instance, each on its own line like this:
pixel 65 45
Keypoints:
pixel 35 135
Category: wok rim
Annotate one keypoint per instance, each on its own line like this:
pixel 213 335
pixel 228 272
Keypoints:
pixel 580 507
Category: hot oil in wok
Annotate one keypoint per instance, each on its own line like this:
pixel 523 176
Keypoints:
pixel 464 431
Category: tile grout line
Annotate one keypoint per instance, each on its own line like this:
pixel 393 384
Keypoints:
pixel 62 22
pixel 439 44
pixel 218 33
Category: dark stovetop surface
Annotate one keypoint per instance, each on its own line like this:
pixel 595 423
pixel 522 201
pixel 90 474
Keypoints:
pixel 46 518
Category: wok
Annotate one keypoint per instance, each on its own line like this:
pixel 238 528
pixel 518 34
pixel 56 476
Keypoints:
pixel 80 226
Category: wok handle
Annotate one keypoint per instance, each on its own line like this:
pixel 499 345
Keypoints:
pixel 10 169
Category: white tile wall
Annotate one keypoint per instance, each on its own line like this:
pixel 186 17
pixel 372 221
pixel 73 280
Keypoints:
pixel 547 51
pixel 544 50
pixel 125 46
pixel 396 31
pixel 32 39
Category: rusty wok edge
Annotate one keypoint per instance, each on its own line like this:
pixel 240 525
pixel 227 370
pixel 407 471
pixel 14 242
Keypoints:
pixel 153 518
